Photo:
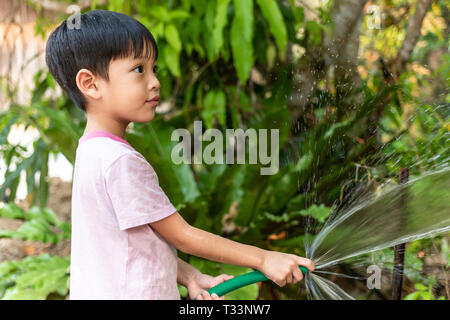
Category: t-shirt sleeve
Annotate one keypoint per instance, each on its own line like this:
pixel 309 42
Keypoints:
pixel 134 190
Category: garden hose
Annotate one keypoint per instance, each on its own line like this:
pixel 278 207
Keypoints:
pixel 242 281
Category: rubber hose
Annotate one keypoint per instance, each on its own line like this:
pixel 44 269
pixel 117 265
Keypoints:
pixel 242 281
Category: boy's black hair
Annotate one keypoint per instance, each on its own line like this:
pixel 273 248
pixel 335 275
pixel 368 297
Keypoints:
pixel 102 36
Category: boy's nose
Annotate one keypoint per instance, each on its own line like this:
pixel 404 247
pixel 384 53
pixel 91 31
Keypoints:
pixel 154 84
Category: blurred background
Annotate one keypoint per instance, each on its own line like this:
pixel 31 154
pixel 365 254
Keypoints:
pixel 358 89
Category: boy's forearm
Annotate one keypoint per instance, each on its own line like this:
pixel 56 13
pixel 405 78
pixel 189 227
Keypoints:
pixel 186 272
pixel 213 247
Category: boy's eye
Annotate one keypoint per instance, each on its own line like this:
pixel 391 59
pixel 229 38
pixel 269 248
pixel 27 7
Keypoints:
pixel 139 67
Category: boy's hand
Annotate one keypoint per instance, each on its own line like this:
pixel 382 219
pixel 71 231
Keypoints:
pixel 200 283
pixel 283 268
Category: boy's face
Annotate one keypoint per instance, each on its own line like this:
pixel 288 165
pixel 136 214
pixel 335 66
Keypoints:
pixel 132 84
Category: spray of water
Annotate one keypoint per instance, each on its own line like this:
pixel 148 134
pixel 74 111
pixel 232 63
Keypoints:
pixel 323 289
pixel 398 214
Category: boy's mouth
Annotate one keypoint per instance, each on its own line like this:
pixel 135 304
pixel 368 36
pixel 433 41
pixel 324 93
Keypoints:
pixel 153 101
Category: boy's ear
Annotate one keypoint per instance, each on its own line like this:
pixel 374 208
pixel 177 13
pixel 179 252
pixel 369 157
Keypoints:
pixel 88 84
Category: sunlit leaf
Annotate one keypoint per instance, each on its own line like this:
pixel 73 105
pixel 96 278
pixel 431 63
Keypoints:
pixel 277 27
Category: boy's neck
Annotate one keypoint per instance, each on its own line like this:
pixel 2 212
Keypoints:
pixel 114 127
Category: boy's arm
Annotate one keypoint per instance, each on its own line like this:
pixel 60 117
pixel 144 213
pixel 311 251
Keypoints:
pixel 282 268
pixel 200 243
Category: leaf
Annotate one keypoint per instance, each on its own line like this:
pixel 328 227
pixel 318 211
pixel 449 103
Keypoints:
pixel 10 234
pixel 220 22
pixel 12 211
pixel 320 213
pixel 244 17
pixel 173 37
pixel 299 14
pixel 172 58
pixel 6 122
pixel 277 27
pixel 193 28
pixel 271 54
pixel 157 30
pixel 314 31
pixel 420 287
pixel 208 111
pixel 241 38
pixel 214 105
pixel 178 14
pixel 14 176
pixel 276 218
pixel 208 28
pixel 412 296
pixel 160 13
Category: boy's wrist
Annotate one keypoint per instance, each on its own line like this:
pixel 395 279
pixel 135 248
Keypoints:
pixel 186 273
pixel 192 276
pixel 261 258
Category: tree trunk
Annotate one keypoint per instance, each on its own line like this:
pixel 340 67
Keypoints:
pixel 411 37
pixel 396 67
pixel 339 50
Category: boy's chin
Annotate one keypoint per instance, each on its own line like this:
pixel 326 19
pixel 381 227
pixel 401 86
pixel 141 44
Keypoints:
pixel 147 119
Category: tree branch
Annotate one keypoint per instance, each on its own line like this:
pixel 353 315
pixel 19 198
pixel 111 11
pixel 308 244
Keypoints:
pixel 397 66
pixel 411 37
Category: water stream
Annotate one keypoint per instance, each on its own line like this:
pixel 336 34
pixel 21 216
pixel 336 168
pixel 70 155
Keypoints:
pixel 399 214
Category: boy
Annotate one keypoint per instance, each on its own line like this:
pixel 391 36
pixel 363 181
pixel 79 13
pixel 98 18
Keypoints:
pixel 125 231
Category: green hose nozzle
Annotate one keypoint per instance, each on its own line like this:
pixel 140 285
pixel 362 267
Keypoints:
pixel 242 281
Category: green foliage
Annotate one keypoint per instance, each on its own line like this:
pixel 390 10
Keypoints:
pixel 277 27
pixel 413 266
pixel 427 147
pixel 319 213
pixel 220 22
pixel 241 38
pixel 35 278
pixel 60 124
pixel 40 225
pixel 214 107
pixel 423 293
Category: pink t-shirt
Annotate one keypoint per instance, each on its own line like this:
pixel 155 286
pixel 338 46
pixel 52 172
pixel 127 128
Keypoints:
pixel 115 254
